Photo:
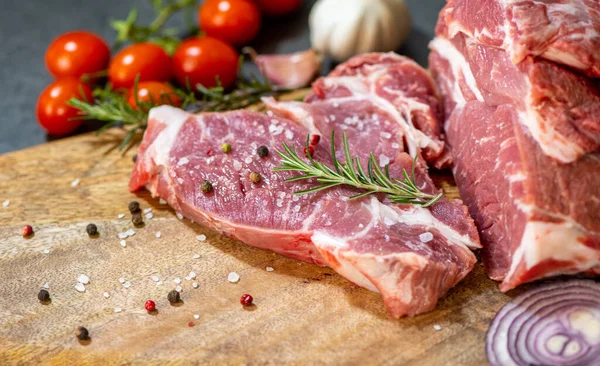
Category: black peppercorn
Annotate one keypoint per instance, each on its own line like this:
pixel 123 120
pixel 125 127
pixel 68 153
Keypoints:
pixel 173 296
pixel 82 334
pixel 91 229
pixel 206 186
pixel 134 206
pixel 137 219
pixel 43 295
pixel 134 158
pixel 226 148
pixel 262 151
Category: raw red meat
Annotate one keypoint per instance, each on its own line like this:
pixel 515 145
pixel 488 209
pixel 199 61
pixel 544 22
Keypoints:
pixel 563 31
pixel 409 254
pixel 524 140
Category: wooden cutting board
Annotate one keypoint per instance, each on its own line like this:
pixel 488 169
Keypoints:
pixel 304 314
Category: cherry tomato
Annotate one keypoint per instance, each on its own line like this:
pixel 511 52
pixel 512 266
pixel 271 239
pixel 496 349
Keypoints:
pixel 278 7
pixel 202 59
pixel 233 21
pixel 148 60
pixel 155 92
pixel 52 110
pixel 76 53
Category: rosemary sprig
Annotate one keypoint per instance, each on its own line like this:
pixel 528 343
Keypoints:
pixel 351 173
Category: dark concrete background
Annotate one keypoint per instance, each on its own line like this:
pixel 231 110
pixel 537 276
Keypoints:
pixel 28 26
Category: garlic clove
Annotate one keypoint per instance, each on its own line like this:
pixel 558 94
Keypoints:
pixel 291 71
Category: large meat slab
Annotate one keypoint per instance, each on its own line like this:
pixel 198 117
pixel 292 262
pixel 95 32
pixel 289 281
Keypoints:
pixel 524 140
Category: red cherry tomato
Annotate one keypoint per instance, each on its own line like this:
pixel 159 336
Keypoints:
pixel 148 60
pixel 52 110
pixel 233 21
pixel 155 92
pixel 202 59
pixel 278 7
pixel 76 53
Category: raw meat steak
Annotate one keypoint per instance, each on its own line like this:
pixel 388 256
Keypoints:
pixel 524 144
pixel 411 255
pixel 563 31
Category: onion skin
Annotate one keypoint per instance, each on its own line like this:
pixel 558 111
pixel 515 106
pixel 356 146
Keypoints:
pixel 291 71
pixel 554 324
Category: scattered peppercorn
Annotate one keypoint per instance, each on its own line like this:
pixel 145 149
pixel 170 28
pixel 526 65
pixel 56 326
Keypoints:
pixel 246 299
pixel 191 324
pixel 173 296
pixel 210 152
pixel 314 139
pixel 134 158
pixel 91 229
pixel 150 305
pixel 43 295
pixel 255 177
pixel 26 231
pixel 206 186
pixel 134 206
pixel 137 219
pixel 262 151
pixel 82 334
pixel 226 148
pixel 311 150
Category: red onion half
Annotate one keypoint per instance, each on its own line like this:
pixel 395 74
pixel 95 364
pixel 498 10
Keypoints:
pixel 554 324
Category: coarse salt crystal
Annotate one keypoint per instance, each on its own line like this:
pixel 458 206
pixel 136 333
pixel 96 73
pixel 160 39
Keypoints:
pixel 295 198
pixel 289 134
pixel 121 215
pixel 177 280
pixel 383 160
pixel 360 226
pixel 270 269
pixel 121 279
pixel 248 160
pixel 127 284
pixel 233 277
pixel 335 104
pixel 195 285
pixel 149 215
pixel 80 287
pixel 123 243
pixel 123 235
pixel 179 216
pixel 297 208
pixel 237 165
pixel 106 295
pixel 426 237
pixel 269 113
pixel 201 237
pixel 196 256
pixel 158 234
pixel 159 283
pixel 6 203
pixel 280 203
pixel 385 135
pixel 183 161
pixel 178 289
pixel 180 180
pixel 46 251
pixel 396 145
pixel 83 279
pixel 192 275
pixel 162 202
pixel 46 285
pixel 75 183
pixel 388 221
pixel 437 327
pixel 155 278
pixel 188 278
pixel 149 209
pixel 117 310
pixel 130 232
pixel 196 316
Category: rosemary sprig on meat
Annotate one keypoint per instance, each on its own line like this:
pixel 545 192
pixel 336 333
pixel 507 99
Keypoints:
pixel 351 173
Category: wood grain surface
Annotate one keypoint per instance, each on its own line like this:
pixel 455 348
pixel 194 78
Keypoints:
pixel 304 314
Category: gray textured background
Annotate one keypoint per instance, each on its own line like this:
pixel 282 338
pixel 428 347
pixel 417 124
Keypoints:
pixel 28 26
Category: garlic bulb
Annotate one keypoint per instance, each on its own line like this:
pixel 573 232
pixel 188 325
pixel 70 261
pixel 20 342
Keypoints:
pixel 344 28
